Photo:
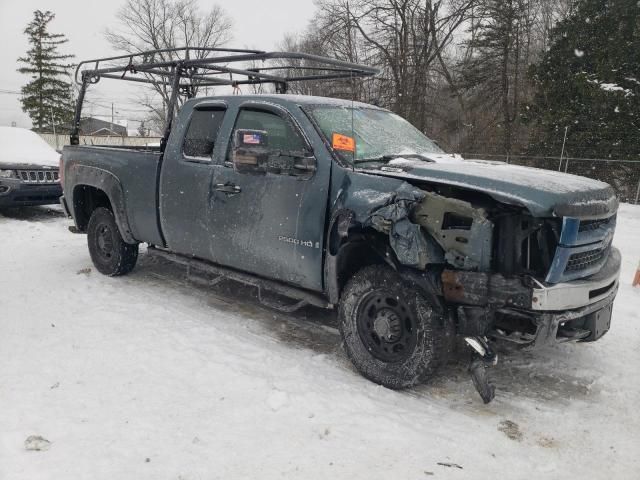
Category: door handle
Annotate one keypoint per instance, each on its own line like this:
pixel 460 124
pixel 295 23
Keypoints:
pixel 227 188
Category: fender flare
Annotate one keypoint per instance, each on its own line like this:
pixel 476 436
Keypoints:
pixel 107 182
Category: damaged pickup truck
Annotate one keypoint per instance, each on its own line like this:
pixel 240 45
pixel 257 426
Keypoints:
pixel 342 204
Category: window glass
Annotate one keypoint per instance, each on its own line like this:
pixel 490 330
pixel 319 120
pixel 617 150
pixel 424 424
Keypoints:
pixel 281 136
pixel 202 132
pixel 371 134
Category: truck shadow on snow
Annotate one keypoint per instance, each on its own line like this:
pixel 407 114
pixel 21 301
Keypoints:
pixel 32 214
pixel 547 375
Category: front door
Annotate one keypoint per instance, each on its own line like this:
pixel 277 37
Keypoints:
pixel 270 224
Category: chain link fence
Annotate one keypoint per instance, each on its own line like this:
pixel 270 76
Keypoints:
pixel 622 175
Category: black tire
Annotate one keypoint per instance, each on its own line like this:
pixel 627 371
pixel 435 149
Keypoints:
pixel 389 330
pixel 110 254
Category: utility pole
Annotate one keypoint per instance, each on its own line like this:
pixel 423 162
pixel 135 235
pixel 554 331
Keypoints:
pixel 112 130
pixel 562 151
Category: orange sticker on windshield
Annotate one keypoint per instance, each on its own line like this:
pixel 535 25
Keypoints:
pixel 342 142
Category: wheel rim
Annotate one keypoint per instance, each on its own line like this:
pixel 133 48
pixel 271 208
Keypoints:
pixel 104 241
pixel 387 327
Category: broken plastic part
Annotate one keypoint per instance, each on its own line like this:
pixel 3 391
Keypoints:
pixel 390 215
pixel 483 357
pixel 478 371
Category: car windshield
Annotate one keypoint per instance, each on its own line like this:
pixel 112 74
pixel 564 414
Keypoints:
pixel 361 135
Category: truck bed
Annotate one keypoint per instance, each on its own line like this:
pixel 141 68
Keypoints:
pixel 136 170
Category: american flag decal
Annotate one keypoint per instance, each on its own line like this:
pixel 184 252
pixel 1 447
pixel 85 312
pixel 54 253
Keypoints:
pixel 251 139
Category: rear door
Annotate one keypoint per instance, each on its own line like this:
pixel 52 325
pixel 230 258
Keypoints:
pixel 187 170
pixel 271 224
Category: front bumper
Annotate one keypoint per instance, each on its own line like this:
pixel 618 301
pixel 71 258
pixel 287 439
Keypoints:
pixel 525 311
pixel 15 193
pixel 581 292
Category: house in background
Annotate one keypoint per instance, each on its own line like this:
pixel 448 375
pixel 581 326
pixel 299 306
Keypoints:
pixel 95 126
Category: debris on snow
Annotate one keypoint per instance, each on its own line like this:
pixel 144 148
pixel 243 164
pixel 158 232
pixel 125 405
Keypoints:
pixel 450 465
pixel 37 443
pixel 511 430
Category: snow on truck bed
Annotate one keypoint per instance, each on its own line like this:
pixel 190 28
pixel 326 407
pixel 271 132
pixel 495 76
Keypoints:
pixel 153 377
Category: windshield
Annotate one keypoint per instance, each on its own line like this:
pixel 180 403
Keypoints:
pixel 367 134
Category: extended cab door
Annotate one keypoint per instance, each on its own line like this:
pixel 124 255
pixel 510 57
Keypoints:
pixel 271 224
pixel 185 180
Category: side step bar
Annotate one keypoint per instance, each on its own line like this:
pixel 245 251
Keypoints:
pixel 303 297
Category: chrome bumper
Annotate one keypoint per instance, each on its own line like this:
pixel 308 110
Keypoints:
pixel 581 292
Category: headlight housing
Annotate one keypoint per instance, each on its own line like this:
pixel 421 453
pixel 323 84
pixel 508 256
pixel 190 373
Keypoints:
pixel 8 174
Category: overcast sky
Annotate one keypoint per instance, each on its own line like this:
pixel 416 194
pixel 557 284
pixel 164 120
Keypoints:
pixel 259 24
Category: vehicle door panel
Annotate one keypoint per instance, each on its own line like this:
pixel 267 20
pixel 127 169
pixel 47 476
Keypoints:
pixel 275 225
pixel 185 193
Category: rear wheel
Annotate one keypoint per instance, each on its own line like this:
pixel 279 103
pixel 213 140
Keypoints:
pixel 390 331
pixel 110 254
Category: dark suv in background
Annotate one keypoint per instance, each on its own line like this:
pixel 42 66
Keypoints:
pixel 28 169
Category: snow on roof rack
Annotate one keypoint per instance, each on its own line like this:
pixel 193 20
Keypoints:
pixel 184 68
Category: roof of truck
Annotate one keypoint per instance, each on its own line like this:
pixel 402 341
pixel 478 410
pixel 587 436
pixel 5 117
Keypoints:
pixel 290 98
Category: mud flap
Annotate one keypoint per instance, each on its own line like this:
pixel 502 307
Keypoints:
pixel 483 357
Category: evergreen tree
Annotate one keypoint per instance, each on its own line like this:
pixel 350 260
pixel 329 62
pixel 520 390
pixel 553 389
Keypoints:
pixel 48 96
pixel 142 130
pixel 494 70
pixel 589 81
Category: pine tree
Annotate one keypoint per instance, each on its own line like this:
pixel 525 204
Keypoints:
pixel 589 83
pixel 494 72
pixel 142 130
pixel 48 96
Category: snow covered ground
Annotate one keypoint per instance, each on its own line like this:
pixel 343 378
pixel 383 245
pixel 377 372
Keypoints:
pixel 151 376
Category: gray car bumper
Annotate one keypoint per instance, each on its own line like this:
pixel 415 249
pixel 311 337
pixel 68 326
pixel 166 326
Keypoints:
pixel 14 193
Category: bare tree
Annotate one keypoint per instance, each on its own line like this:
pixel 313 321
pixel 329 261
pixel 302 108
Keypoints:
pixel 164 24
pixel 406 39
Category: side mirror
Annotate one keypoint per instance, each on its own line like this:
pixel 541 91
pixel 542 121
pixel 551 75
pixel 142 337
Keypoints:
pixel 250 153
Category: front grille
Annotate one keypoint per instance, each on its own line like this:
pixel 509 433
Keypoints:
pixel 583 260
pixel 38 176
pixel 591 225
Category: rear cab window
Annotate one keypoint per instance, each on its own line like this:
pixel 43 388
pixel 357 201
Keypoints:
pixel 202 133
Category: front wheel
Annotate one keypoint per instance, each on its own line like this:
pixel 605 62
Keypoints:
pixel 390 332
pixel 110 254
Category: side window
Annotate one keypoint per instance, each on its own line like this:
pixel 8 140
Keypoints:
pixel 282 136
pixel 202 133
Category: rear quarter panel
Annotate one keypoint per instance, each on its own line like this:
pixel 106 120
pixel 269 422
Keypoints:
pixel 135 175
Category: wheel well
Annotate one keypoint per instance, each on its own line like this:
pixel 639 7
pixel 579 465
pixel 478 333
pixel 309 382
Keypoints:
pixel 85 200
pixel 354 256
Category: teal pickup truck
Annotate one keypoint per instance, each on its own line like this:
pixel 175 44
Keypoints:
pixel 345 205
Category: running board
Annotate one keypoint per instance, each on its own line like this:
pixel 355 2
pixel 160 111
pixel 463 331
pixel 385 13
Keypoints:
pixel 302 297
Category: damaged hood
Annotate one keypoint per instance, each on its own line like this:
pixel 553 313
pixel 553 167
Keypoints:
pixel 544 193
